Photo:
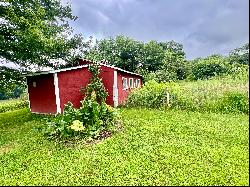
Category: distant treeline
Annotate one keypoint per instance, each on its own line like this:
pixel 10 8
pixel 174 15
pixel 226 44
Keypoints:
pixel 159 61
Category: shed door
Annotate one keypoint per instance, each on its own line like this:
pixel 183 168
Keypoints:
pixel 42 94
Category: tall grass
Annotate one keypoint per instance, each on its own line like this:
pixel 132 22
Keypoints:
pixel 12 104
pixel 228 94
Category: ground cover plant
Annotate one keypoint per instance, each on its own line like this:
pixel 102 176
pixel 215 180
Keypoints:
pixel 155 148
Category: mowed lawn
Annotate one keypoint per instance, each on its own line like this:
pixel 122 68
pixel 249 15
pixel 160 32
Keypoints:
pixel 154 148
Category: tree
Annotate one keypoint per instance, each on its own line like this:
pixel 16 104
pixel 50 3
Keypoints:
pixel 133 55
pixel 174 47
pixel 173 67
pixel 153 56
pixel 11 84
pixel 37 33
pixel 120 51
pixel 240 55
pixel 204 68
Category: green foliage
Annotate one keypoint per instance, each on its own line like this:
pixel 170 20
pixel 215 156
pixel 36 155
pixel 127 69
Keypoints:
pixel 172 69
pixel 90 120
pixel 234 102
pixel 205 71
pixel 156 148
pixel 121 51
pixel 93 118
pixel 13 104
pixel 132 55
pixel 204 68
pixel 95 87
pixel 240 55
pixel 33 33
pixel 223 95
pixel 151 95
pixel 12 85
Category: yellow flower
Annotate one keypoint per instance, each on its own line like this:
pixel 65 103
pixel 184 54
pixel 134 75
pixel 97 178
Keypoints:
pixel 77 126
pixel 93 95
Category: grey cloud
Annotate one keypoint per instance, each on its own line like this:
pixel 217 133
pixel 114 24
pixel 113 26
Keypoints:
pixel 202 26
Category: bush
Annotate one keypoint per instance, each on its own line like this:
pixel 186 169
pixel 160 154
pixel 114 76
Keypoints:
pixel 151 95
pixel 12 104
pixel 93 118
pixel 234 102
pixel 205 68
pixel 90 120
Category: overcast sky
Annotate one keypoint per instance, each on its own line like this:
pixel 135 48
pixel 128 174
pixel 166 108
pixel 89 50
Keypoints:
pixel 204 27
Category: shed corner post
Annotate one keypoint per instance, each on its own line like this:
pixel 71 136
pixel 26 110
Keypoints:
pixel 28 95
pixel 58 107
pixel 115 89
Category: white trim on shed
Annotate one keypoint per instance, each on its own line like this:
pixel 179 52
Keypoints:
pixel 115 89
pixel 58 107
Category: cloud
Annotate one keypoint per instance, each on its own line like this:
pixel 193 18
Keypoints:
pixel 204 27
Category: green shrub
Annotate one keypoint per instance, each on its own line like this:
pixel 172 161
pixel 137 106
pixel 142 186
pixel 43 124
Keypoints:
pixel 89 120
pixel 151 95
pixel 234 102
pixel 205 71
pixel 92 119
pixel 205 68
pixel 12 104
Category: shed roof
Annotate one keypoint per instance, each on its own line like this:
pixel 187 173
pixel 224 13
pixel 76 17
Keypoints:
pixel 76 67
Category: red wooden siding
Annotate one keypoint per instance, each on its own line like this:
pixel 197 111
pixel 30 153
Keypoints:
pixel 123 94
pixel 42 97
pixel 107 75
pixel 70 84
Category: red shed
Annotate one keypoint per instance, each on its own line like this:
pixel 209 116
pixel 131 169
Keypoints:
pixel 49 91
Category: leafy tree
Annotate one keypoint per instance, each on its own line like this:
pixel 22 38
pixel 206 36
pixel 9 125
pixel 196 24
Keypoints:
pixel 36 33
pixel 121 51
pixel 153 56
pixel 212 65
pixel 174 47
pixel 173 68
pixel 240 55
pixel 11 84
pixel 133 55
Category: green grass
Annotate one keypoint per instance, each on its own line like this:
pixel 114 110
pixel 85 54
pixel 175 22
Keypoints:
pixel 155 148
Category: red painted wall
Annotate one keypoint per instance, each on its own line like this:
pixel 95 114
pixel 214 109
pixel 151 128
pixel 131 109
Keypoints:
pixel 107 75
pixel 70 82
pixel 42 97
pixel 123 94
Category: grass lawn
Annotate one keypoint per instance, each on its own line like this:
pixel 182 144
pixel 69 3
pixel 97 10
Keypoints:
pixel 155 148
